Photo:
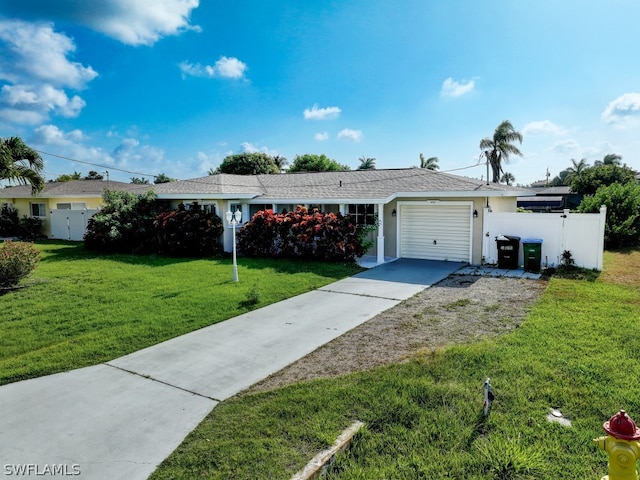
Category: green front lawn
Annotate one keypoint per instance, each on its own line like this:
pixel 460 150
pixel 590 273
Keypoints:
pixel 577 351
pixel 85 308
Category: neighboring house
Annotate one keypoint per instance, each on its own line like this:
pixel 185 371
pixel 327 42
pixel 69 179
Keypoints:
pixel 421 213
pixel 552 199
pixel 63 207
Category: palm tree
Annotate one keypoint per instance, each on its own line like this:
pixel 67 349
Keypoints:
pixel 612 159
pixel 499 147
pixel 575 170
pixel 508 178
pixel 280 162
pixel 21 163
pixel 367 163
pixel 430 163
pixel 162 178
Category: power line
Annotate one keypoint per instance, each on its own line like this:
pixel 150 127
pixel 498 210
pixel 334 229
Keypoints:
pixel 411 172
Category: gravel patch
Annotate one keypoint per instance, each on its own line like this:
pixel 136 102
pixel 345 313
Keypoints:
pixel 459 309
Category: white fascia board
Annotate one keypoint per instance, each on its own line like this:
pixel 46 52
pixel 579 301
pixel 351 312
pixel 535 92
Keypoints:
pixel 278 201
pixel 457 194
pixel 206 196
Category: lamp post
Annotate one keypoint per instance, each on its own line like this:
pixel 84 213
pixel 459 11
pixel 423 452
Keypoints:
pixel 233 219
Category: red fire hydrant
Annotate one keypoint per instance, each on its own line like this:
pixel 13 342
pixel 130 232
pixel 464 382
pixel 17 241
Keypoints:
pixel 622 446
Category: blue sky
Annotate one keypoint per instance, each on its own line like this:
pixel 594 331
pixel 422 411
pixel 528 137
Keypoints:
pixel 173 86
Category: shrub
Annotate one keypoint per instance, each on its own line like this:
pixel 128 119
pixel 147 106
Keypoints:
pixel 9 222
pixel 622 226
pixel 300 234
pixel 190 233
pixel 125 224
pixel 25 228
pixel 30 228
pixel 17 260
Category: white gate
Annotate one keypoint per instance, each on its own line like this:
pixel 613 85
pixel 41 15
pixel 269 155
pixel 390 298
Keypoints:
pixel 70 224
pixel 580 233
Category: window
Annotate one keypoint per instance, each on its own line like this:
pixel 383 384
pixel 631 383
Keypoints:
pixel 233 207
pixel 256 207
pixel 363 213
pixel 209 208
pixel 38 210
pixel 71 206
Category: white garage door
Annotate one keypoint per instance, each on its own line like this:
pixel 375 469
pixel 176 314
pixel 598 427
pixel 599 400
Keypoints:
pixel 435 232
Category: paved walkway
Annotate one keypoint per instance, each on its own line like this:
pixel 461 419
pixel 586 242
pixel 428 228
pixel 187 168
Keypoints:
pixel 119 420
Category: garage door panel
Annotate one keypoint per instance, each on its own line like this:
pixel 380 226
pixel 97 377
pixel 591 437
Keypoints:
pixel 448 225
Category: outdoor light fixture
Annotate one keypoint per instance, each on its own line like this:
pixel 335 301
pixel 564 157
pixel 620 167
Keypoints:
pixel 393 213
pixel 233 219
pixel 475 214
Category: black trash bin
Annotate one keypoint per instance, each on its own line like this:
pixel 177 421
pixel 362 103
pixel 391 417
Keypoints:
pixel 508 249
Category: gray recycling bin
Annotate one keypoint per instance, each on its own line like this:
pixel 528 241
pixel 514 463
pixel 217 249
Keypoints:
pixel 532 254
pixel 508 249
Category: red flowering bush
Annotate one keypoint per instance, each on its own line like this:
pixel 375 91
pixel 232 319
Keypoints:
pixel 17 260
pixel 188 233
pixel 301 234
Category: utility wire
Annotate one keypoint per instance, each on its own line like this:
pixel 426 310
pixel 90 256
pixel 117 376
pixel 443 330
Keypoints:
pixel 411 172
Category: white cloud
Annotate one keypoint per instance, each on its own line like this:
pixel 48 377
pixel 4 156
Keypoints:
pixel 348 134
pixel 52 135
pixel 315 113
pixel 542 127
pixel 251 148
pixel 565 146
pixel 69 144
pixel 133 22
pixel 225 67
pixel 453 88
pixel 321 137
pixel 36 52
pixel 38 73
pixel 37 103
pixel 622 110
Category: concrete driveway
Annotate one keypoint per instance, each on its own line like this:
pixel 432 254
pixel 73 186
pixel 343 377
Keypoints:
pixel 119 420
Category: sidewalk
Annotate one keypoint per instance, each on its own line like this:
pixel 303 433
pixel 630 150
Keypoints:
pixel 120 419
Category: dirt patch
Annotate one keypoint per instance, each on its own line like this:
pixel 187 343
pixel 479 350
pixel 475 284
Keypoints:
pixel 459 309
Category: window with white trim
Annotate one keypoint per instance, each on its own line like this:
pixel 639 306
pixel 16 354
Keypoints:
pixel 363 213
pixel 71 206
pixel 38 210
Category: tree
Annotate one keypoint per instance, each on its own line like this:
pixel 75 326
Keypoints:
pixel 367 163
pixel 499 147
pixel 67 177
pixel 316 163
pixel 622 227
pixel 508 178
pixel 574 170
pixel 139 181
pixel 162 178
pixel 248 164
pixel 601 175
pixel 280 162
pixel 20 163
pixel 609 159
pixel 430 163
pixel 93 175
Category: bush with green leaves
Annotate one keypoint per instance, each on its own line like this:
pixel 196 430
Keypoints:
pixel 303 234
pixel 30 228
pixel 17 261
pixel 125 223
pixel 9 222
pixel 25 228
pixel 622 226
pixel 188 233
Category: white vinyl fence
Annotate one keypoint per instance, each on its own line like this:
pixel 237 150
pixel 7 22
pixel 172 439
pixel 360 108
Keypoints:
pixel 580 233
pixel 70 224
